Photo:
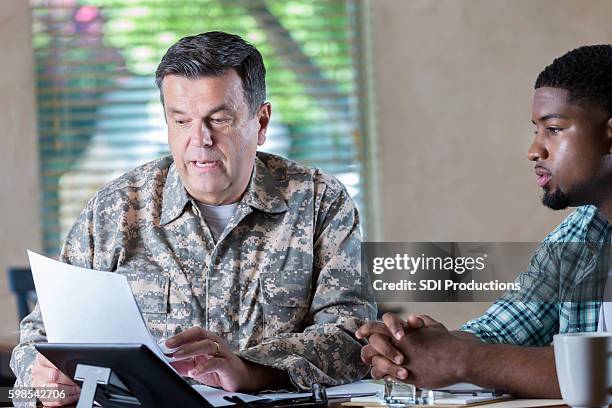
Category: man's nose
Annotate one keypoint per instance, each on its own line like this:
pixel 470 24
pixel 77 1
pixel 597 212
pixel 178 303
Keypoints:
pixel 202 136
pixel 537 150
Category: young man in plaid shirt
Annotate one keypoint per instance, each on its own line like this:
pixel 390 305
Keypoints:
pixel 509 346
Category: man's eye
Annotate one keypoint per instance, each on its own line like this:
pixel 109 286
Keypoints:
pixel 180 121
pixel 553 130
pixel 220 121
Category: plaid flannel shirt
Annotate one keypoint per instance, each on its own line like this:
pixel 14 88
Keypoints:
pixel 533 323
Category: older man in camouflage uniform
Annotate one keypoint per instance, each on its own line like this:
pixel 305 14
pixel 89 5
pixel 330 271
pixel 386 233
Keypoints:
pixel 248 262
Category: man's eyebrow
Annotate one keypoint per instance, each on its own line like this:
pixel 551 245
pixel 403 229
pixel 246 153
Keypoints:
pixel 176 111
pixel 222 107
pixel 552 116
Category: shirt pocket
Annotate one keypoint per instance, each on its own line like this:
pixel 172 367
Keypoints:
pixel 151 294
pixel 286 301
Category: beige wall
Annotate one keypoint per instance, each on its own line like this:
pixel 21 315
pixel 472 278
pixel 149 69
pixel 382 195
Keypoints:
pixel 19 209
pixel 454 81
pixel 453 87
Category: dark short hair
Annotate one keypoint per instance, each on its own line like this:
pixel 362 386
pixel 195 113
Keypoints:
pixel 586 73
pixel 213 54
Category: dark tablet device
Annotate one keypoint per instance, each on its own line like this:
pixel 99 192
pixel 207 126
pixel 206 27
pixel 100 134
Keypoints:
pixel 138 377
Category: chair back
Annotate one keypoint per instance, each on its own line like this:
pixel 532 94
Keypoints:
pixel 21 284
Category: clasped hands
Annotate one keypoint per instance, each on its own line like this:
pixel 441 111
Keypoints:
pixel 418 350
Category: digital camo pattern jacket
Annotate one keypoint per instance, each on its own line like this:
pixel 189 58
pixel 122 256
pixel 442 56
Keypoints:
pixel 282 285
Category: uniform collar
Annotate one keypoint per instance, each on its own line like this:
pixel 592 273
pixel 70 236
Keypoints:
pixel 175 197
pixel 262 193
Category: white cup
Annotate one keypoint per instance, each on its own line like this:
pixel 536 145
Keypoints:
pixel 584 368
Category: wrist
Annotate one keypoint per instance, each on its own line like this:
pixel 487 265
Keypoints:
pixel 466 352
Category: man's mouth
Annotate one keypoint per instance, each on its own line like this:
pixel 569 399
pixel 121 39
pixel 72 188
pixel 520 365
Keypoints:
pixel 543 176
pixel 205 165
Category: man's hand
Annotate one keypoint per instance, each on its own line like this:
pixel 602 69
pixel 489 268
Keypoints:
pixel 379 336
pixel 421 351
pixel 45 374
pixel 212 363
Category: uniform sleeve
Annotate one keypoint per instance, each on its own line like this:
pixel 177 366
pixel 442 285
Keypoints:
pixel 326 351
pixel 530 315
pixel 77 250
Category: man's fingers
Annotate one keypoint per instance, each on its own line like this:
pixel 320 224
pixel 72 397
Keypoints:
pixel 183 366
pixel 428 321
pixel 69 399
pixel 43 376
pixel 43 361
pixel 367 353
pixel 395 325
pixel 371 328
pixel 375 374
pixel 382 345
pixel 55 376
pixel 415 322
pixel 209 366
pixel 381 365
pixel 205 347
pixel 46 373
pixel 188 336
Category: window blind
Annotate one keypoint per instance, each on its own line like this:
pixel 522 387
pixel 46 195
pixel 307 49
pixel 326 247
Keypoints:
pixel 99 113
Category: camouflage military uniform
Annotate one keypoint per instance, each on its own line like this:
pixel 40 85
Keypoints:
pixel 282 284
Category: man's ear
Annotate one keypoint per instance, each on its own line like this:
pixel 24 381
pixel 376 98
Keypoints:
pixel 263 118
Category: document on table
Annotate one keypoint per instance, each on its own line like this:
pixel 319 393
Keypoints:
pixel 80 305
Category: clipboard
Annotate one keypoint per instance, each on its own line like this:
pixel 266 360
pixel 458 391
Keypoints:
pixel 132 376
pixel 121 376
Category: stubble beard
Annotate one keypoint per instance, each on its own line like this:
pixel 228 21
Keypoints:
pixel 556 200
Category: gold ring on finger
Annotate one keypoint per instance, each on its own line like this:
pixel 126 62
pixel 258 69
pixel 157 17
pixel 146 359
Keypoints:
pixel 217 352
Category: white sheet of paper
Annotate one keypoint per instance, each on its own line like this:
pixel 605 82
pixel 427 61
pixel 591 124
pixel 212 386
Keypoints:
pixel 80 305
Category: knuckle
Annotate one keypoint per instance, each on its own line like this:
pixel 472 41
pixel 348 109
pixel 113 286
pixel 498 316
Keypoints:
pixel 375 374
pixel 53 375
pixel 383 365
pixel 378 362
pixel 366 353
pixel 389 351
pixel 381 344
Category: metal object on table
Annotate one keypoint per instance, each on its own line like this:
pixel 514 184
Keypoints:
pixel 397 394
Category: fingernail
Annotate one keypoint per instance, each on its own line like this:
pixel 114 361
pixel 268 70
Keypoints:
pixel 398 360
pixel 178 353
pixel 170 342
pixel 192 373
pixel 402 373
pixel 399 334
